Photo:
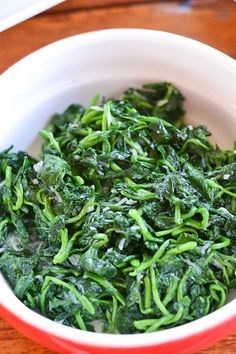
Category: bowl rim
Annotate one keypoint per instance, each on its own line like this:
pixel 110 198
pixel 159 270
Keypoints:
pixel 228 62
pixel 7 298
pixel 105 340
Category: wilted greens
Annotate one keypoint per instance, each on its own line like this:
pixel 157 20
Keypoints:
pixel 127 221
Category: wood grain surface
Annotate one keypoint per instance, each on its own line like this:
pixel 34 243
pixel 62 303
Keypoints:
pixel 210 21
pixel 213 24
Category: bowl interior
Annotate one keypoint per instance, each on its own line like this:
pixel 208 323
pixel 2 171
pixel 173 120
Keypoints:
pixel 74 70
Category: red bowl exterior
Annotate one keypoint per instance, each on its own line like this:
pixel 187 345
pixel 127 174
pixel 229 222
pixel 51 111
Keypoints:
pixel 186 345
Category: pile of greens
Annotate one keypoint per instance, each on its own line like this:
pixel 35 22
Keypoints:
pixel 127 222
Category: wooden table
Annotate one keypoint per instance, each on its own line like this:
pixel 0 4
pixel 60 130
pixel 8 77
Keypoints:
pixel 210 21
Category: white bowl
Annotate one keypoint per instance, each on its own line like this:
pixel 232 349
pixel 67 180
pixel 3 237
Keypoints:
pixel 13 12
pixel 74 70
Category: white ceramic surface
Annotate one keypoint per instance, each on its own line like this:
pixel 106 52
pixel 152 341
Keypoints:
pixel 73 70
pixel 13 12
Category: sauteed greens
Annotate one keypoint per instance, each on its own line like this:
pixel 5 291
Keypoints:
pixel 127 222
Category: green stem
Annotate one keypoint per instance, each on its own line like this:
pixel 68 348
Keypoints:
pixel 188 246
pixel 148 292
pixel 2 224
pixel 80 321
pixel 107 285
pixel 19 195
pixel 193 141
pixel 8 176
pixel 134 214
pixel 171 291
pixel 83 212
pixel 49 136
pixel 153 260
pixel 81 298
pixel 155 293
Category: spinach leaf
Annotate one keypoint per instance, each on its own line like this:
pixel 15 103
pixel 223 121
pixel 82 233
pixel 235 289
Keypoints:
pixel 127 222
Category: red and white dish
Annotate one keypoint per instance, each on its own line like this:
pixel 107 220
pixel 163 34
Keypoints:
pixel 73 70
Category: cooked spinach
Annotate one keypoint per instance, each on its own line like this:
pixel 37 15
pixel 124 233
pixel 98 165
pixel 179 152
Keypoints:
pixel 127 222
